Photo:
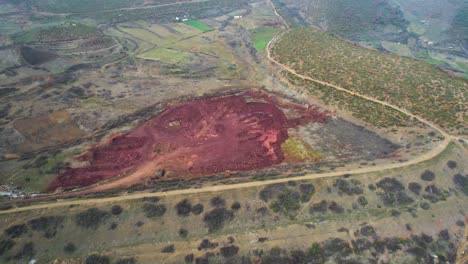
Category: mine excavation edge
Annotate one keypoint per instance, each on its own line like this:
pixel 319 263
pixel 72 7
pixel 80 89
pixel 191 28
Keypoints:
pixel 427 156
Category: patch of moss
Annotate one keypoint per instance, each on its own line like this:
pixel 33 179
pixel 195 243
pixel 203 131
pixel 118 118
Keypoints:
pixel 298 151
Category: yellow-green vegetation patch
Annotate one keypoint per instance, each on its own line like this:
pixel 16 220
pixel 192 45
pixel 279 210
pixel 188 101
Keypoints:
pixel 263 35
pixel 419 87
pixel 198 25
pixel 141 34
pixel 298 151
pixel 164 55
pixel 64 32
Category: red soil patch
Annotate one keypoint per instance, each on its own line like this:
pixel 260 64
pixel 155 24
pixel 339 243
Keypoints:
pixel 196 138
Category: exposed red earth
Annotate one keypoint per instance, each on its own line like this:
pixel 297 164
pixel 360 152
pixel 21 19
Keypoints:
pixel 200 137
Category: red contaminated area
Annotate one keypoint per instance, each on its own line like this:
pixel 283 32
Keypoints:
pixel 195 138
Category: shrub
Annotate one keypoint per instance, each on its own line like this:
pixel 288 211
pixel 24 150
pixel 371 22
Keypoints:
pixel 197 209
pixel 367 231
pixel 415 187
pixel 46 224
pixel 362 201
pixel 91 218
pixel 334 207
pixel 116 209
pixel 154 210
pixel 319 207
pixel 183 232
pixel 461 182
pixel 425 206
pixel 217 202
pixel 206 244
pixel 229 251
pixel 126 261
pixel 184 208
pixel 6 245
pixel 215 218
pixel 444 234
pixel 395 213
pixel 451 164
pixel 16 230
pixel 236 206
pixel 428 175
pixel 270 191
pixel 97 259
pixel 27 252
pixel 69 248
pixel 390 185
pixel 189 258
pixel 286 202
pixel 349 187
pixel 168 249
pixel 307 190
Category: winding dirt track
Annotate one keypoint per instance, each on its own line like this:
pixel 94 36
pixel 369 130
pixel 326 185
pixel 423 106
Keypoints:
pixel 424 157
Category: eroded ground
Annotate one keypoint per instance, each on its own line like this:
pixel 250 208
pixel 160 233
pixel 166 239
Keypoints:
pixel 199 137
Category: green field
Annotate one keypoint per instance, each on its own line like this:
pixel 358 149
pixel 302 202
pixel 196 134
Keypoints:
pixel 164 55
pixel 64 32
pixel 198 25
pixel 261 37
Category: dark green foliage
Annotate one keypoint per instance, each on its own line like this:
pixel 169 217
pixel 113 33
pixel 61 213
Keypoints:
pixel 451 164
pixel 217 202
pixel 207 244
pixel 428 175
pixel 16 230
pixel 236 206
pixel 461 182
pixel 393 192
pixel 183 233
pixel 320 207
pixel 352 187
pixel 126 261
pixel 334 207
pixel 6 245
pixel 444 235
pixel 184 208
pixel 390 185
pixel 415 187
pixel 271 191
pixel 425 206
pixel 154 210
pixel 69 248
pixel 168 249
pixel 47 224
pixel 116 209
pixel 361 244
pixel 91 218
pixel 287 202
pixel 189 258
pixel 229 251
pixel 216 218
pixel 395 213
pixel 27 252
pixel 434 194
pixel 368 231
pixel 197 209
pixel 307 190
pixel 97 259
pixel 362 201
